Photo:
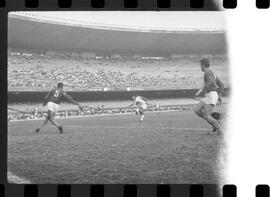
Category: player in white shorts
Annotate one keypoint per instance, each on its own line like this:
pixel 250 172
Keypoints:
pixel 141 106
pixel 52 101
pixel 212 95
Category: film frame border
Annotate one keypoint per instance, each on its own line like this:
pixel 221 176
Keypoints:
pixel 195 4
pixel 33 190
pixel 129 190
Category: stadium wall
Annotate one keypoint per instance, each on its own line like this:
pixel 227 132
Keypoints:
pixel 91 96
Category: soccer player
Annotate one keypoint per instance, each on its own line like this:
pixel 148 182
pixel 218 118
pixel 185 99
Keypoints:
pixel 52 100
pixel 141 105
pixel 212 95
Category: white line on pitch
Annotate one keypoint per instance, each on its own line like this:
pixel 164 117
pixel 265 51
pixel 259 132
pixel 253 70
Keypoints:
pixel 12 178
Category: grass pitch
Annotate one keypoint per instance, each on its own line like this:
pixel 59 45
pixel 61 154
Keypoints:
pixel 168 147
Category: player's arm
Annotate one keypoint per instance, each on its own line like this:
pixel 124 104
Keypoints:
pixel 145 99
pixel 131 105
pixel 199 92
pixel 220 101
pixel 149 104
pixel 220 88
pixel 46 98
pixel 70 99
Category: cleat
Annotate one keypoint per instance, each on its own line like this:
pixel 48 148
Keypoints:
pixel 37 130
pixel 216 131
pixel 60 128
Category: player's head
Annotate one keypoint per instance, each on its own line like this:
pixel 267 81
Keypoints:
pixel 133 97
pixel 60 85
pixel 205 63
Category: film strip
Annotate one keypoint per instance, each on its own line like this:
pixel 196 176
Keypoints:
pixel 99 190
pixel 227 4
pixel 125 190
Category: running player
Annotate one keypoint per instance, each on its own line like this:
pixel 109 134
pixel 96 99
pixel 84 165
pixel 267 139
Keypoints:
pixel 211 92
pixel 52 100
pixel 141 106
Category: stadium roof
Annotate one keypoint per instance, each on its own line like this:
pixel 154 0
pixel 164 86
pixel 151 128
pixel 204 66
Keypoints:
pixel 125 32
pixel 144 21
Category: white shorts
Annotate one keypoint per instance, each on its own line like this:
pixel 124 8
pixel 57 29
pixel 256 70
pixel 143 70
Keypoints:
pixel 53 107
pixel 143 107
pixel 211 98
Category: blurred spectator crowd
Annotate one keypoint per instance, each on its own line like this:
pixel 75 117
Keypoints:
pixel 36 114
pixel 38 71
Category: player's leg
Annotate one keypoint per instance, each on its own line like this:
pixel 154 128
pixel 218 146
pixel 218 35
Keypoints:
pixel 52 120
pixel 54 109
pixel 205 108
pixel 216 116
pixel 137 111
pixel 143 108
pixel 208 109
pixel 45 122
pixel 141 111
pixel 199 109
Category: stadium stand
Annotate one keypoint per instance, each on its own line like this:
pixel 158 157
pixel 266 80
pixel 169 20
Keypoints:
pixel 122 61
pixel 38 71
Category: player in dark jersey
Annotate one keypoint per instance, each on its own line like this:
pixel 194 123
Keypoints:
pixel 52 100
pixel 212 96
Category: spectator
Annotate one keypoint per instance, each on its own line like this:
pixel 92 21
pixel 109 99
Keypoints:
pixel 31 71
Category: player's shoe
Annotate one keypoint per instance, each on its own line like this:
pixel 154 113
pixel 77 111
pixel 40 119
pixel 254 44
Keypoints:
pixel 37 130
pixel 216 131
pixel 60 128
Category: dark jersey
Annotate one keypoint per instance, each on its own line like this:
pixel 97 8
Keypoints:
pixel 210 82
pixel 56 96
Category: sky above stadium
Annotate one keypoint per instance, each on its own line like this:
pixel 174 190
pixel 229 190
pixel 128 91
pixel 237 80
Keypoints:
pixel 212 20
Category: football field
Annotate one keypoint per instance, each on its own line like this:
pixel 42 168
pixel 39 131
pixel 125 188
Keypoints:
pixel 168 147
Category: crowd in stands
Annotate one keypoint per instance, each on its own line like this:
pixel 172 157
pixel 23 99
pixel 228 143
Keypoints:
pixel 38 71
pixel 36 114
